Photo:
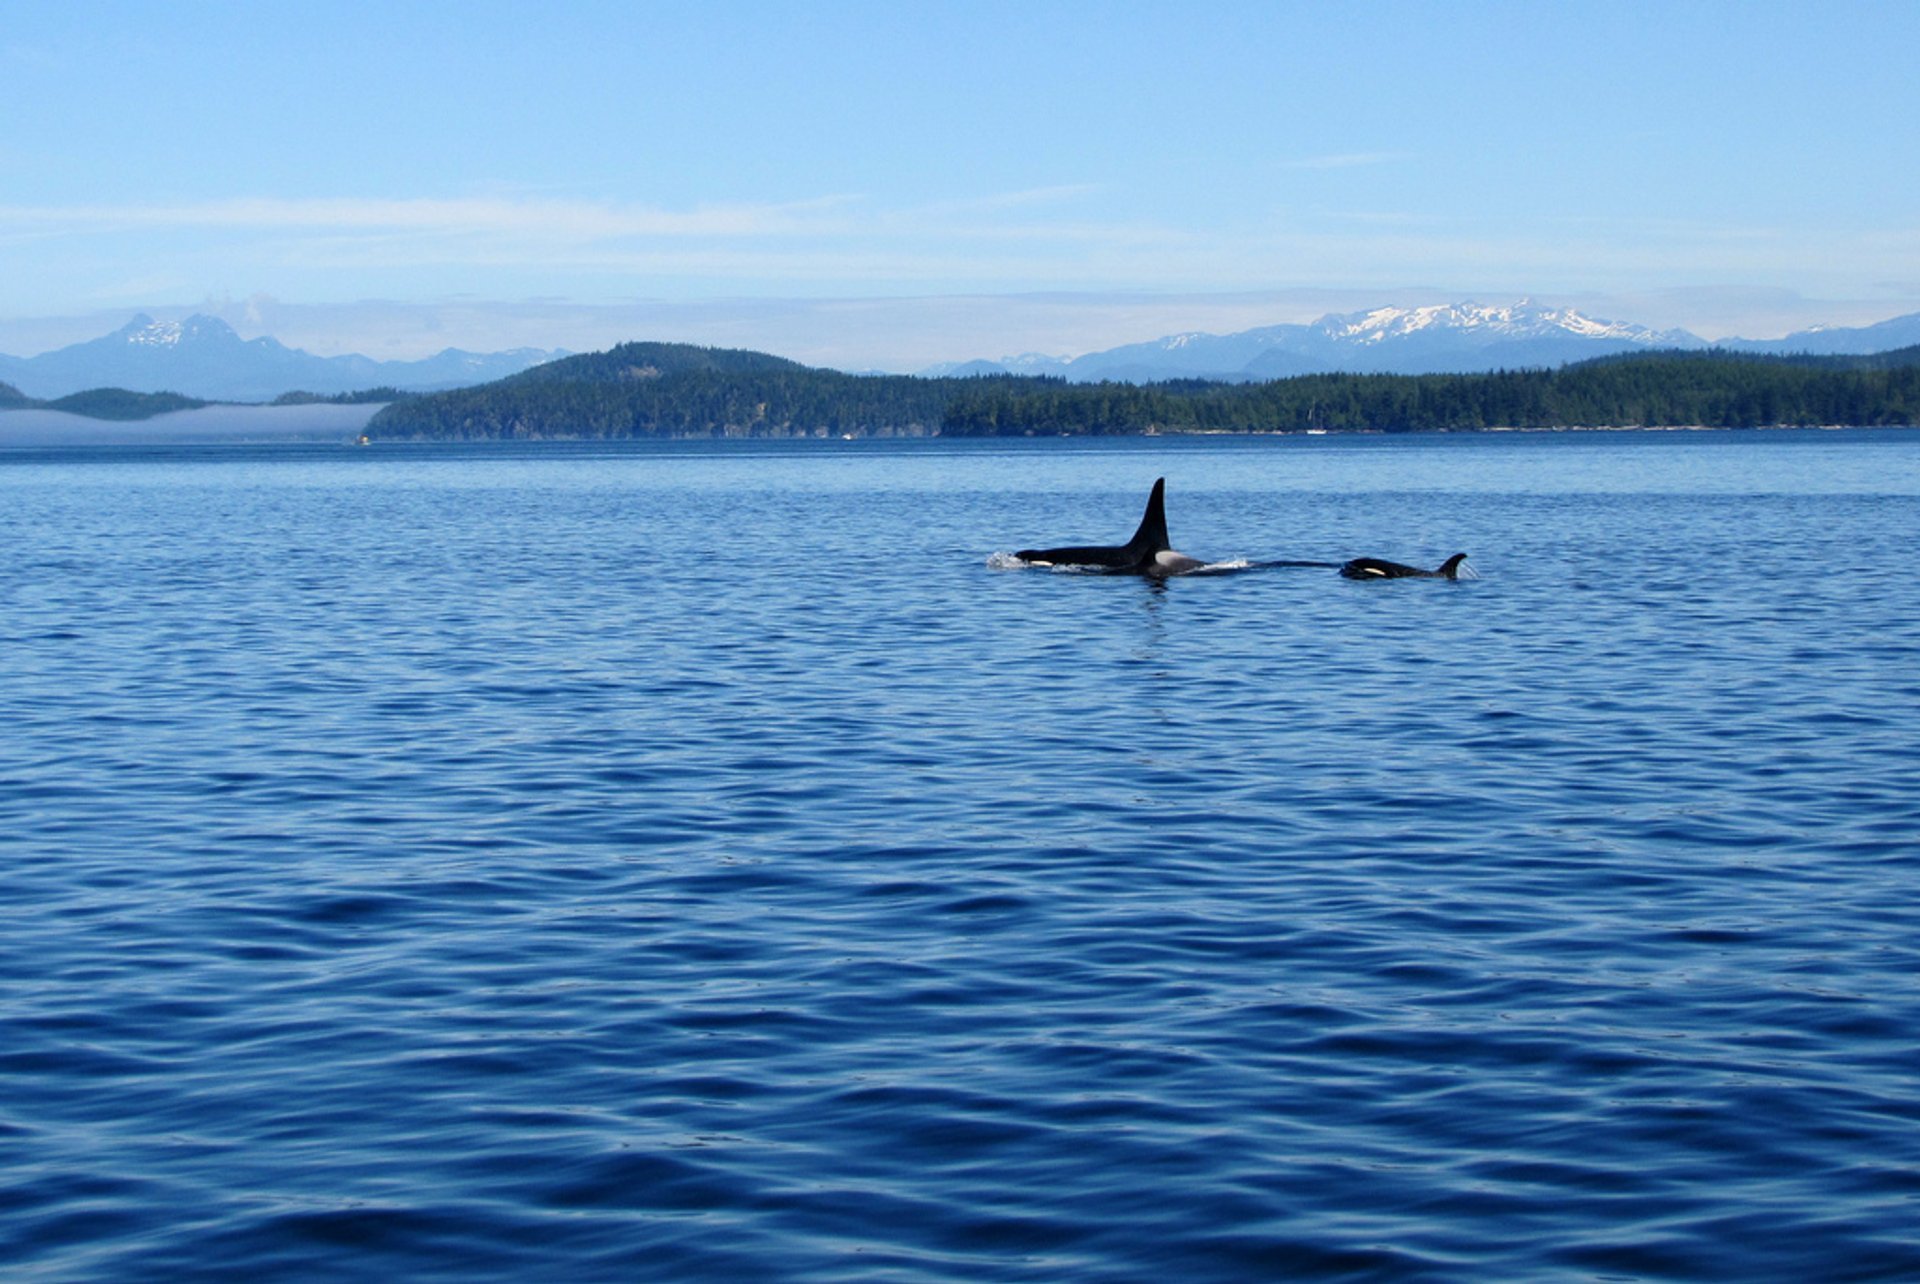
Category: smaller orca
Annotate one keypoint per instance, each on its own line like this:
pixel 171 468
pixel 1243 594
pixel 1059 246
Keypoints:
pixel 1373 568
pixel 1147 553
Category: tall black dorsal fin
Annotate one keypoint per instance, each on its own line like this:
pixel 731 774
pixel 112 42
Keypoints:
pixel 1451 567
pixel 1151 538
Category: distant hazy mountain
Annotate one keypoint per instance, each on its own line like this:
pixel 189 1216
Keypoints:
pixel 1458 337
pixel 1829 341
pixel 203 357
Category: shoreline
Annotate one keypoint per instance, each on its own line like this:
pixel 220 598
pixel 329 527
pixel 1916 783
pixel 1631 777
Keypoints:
pixel 320 423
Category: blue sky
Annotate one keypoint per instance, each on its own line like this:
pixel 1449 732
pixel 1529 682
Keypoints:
pixel 497 173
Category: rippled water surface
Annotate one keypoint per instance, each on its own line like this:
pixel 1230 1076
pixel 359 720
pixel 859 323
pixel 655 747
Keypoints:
pixel 707 862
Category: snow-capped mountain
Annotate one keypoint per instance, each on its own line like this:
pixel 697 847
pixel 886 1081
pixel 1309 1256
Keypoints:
pixel 201 356
pixel 1455 337
pixel 1522 320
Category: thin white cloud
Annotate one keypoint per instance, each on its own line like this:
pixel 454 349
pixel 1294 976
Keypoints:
pixel 457 216
pixel 1030 197
pixel 581 222
pixel 547 232
pixel 1346 160
pixel 152 285
pixel 1064 237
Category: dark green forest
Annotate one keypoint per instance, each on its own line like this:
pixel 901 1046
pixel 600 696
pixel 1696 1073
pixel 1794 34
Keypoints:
pixel 1710 389
pixel 365 397
pixel 676 390
pixel 102 403
pixel 120 404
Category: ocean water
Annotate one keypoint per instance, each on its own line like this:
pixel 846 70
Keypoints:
pixel 711 862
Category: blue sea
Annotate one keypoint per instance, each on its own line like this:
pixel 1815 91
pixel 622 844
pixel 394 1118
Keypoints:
pixel 711 861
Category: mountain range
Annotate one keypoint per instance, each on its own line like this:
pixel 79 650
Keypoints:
pixel 203 357
pixel 1457 338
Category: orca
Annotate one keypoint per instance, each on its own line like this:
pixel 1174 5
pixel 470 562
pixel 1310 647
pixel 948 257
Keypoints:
pixel 1147 553
pixel 1374 568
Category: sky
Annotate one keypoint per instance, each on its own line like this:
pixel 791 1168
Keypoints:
pixel 883 185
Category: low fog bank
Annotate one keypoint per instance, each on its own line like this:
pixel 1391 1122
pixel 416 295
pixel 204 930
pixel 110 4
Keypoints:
pixel 207 425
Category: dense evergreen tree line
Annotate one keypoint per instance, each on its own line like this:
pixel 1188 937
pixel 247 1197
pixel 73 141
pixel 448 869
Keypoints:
pixel 365 397
pixel 119 403
pixel 691 404
pixel 102 403
pixel 1661 390
pixel 638 362
pixel 676 390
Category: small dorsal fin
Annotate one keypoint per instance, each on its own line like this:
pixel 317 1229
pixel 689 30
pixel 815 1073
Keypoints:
pixel 1451 567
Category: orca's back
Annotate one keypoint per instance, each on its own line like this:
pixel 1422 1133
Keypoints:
pixel 1137 553
pixel 1117 556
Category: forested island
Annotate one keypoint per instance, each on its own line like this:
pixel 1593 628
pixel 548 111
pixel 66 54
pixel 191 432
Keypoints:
pixel 678 390
pixel 102 403
pixel 121 405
